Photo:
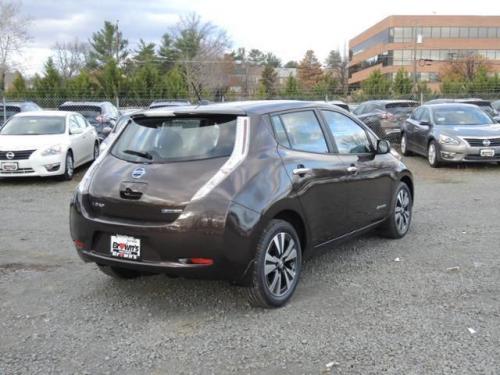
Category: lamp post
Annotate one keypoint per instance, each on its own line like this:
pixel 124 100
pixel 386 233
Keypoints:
pixel 417 39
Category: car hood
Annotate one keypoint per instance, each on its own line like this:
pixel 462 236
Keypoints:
pixel 492 130
pixel 29 142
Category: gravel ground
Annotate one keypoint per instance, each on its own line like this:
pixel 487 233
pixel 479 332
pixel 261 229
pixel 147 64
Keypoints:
pixel 369 306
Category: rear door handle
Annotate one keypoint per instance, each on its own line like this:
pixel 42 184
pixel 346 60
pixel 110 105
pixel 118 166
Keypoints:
pixel 301 171
pixel 352 169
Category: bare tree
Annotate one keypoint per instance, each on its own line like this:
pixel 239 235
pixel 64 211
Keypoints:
pixel 71 57
pixel 201 48
pixel 13 31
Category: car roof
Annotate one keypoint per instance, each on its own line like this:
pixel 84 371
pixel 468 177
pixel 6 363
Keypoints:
pixel 449 105
pixel 18 104
pixel 243 108
pixel 387 101
pixel 95 104
pixel 459 100
pixel 45 113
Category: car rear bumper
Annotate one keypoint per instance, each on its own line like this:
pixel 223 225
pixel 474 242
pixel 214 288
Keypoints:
pixel 165 247
pixel 36 165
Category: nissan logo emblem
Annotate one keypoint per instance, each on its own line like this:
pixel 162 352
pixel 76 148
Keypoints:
pixel 486 142
pixel 10 155
pixel 138 173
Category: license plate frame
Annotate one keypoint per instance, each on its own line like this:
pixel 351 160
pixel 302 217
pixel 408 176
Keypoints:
pixel 487 153
pixel 10 166
pixel 125 247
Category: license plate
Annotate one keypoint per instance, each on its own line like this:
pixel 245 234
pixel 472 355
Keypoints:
pixel 125 247
pixel 8 167
pixel 487 153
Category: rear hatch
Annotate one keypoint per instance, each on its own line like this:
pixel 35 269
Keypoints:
pixel 397 113
pixel 157 165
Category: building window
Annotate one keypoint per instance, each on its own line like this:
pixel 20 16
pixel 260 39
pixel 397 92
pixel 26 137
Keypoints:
pixel 454 32
pixel 473 32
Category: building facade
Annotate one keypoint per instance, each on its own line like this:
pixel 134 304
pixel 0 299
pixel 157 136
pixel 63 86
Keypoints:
pixel 423 45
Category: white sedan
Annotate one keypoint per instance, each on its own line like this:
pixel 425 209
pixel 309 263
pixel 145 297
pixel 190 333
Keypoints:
pixel 46 143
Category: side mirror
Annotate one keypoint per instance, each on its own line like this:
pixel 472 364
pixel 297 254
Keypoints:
pixel 74 131
pixel 107 130
pixel 383 146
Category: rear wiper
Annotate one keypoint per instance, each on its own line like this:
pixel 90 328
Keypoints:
pixel 144 155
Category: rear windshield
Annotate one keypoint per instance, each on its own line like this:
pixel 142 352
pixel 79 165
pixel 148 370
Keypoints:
pixel 89 112
pixel 460 116
pixel 159 140
pixel 34 126
pixel 401 108
pixel 9 112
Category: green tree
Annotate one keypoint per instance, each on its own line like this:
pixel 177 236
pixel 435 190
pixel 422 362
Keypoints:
pixel 402 84
pixel 108 44
pixel 326 87
pixel 110 79
pixel 334 59
pixel 256 57
pixel 167 52
pixel 269 80
pixel 175 84
pixel 145 52
pixel 376 85
pixel 19 88
pixel 291 89
pixel 272 59
pixel 81 86
pixel 145 81
pixel 51 83
pixel 309 71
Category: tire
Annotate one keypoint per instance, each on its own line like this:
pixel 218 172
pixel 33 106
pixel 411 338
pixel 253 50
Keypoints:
pixel 398 223
pixel 404 145
pixel 69 167
pixel 433 154
pixel 282 263
pixel 96 151
pixel 119 273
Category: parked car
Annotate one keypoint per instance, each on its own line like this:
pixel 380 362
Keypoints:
pixel 169 103
pixel 112 133
pixel 385 117
pixel 451 132
pixel 485 105
pixel 239 191
pixel 496 105
pixel 46 143
pixel 99 114
pixel 11 108
pixel 338 103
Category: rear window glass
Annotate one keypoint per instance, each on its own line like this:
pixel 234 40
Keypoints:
pixel 9 112
pixel 90 113
pixel 160 140
pixel 401 108
pixel 460 116
pixel 34 126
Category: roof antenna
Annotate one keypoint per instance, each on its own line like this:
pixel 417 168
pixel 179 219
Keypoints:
pixel 196 92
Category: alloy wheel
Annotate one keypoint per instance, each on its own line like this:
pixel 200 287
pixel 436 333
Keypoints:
pixel 432 154
pixel 403 211
pixel 281 264
pixel 69 166
pixel 403 144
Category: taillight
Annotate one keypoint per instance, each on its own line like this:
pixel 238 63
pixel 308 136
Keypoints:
pixel 387 116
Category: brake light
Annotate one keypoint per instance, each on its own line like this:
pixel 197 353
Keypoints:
pixel 79 244
pixel 387 116
pixel 202 261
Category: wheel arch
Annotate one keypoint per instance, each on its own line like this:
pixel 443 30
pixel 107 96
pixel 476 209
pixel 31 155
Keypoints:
pixel 295 219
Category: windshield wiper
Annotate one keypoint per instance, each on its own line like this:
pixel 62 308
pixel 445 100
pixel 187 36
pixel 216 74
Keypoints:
pixel 144 155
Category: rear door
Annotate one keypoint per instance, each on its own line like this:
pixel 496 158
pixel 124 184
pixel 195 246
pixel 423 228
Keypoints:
pixel 411 127
pixel 368 179
pixel 88 136
pixel 422 131
pixel 77 139
pixel 316 173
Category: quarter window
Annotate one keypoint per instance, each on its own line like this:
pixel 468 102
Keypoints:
pixel 350 138
pixel 303 131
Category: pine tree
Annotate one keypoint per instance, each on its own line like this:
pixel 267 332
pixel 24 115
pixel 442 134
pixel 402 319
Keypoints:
pixel 291 90
pixel 402 84
pixel 269 80
pixel 18 89
pixel 309 71
pixel 108 44
pixel 377 85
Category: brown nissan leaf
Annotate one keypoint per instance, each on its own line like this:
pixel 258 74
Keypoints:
pixel 239 191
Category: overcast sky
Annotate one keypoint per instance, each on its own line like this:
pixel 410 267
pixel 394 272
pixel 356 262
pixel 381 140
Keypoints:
pixel 286 28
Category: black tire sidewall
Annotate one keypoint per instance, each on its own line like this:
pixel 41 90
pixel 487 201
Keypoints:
pixel 274 227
